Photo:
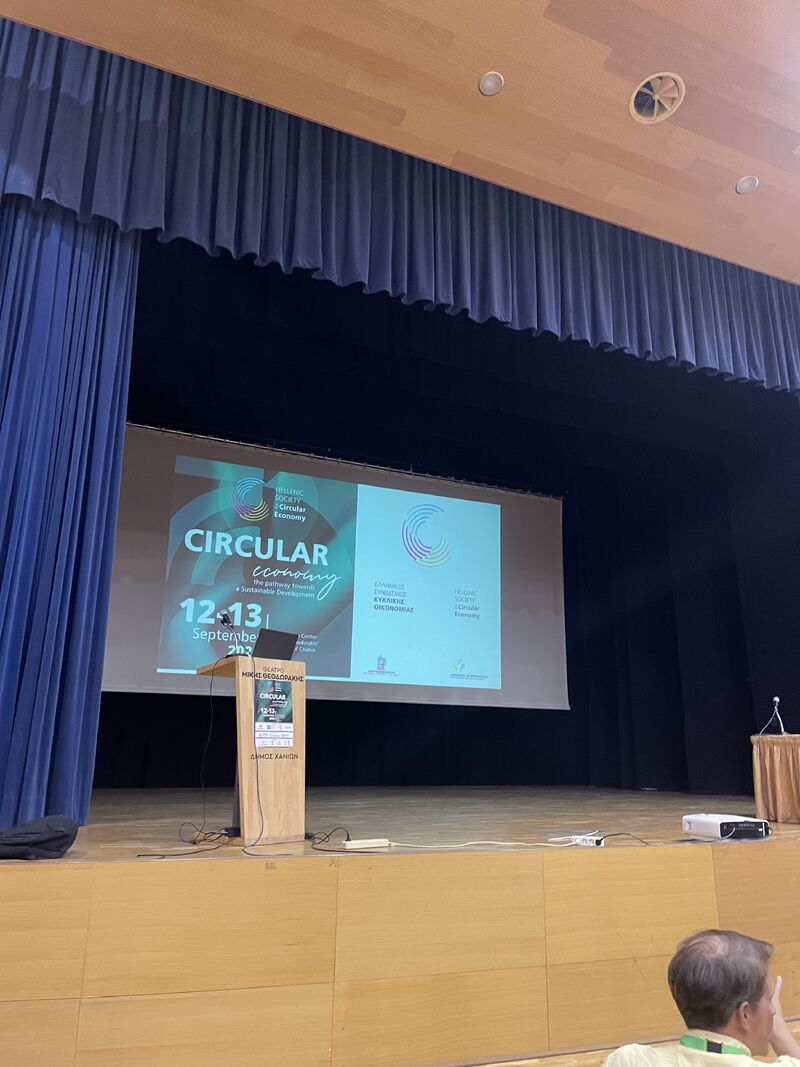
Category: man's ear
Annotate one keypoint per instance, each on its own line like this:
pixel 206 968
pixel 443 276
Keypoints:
pixel 744 1016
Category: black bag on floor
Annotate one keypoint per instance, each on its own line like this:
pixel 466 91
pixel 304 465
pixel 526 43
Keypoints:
pixel 39 839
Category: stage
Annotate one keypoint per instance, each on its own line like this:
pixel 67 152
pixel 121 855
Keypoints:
pixel 124 823
pixel 410 956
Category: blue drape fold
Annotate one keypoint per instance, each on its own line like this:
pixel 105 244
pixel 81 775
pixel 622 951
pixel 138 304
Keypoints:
pixel 66 320
pixel 112 138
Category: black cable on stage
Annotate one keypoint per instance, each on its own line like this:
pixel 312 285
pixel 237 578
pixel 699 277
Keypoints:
pixel 624 833
pixel 322 838
pixel 246 849
pixel 201 829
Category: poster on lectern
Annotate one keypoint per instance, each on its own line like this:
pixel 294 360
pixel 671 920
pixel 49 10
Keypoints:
pixel 274 714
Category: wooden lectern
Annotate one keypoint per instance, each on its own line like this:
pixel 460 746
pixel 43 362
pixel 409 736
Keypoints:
pixel 271 746
pixel 776 777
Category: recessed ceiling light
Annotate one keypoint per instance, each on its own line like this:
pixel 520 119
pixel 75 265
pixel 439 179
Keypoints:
pixel 657 97
pixel 747 184
pixel 491 83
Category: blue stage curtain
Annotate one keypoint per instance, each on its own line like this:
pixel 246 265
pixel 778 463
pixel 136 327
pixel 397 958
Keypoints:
pixel 66 320
pixel 109 137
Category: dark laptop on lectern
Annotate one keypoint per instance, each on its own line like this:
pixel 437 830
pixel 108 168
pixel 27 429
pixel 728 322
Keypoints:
pixel 275 644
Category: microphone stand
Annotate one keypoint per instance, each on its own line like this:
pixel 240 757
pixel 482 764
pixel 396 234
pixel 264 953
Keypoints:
pixel 775 715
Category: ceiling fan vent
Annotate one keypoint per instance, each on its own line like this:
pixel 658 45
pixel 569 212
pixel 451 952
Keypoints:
pixel 657 98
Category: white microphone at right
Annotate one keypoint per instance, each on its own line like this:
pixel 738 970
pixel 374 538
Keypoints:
pixel 775 702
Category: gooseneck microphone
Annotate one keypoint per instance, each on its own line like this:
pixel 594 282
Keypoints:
pixel 225 619
pixel 775 702
pixel 775 715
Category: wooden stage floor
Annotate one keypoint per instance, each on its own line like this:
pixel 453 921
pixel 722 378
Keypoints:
pixel 126 823
pixel 413 957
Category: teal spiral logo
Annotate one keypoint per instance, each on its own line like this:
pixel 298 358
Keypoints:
pixel 423 554
pixel 244 504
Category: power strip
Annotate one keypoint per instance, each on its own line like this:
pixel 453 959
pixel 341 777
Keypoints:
pixel 588 840
pixel 368 842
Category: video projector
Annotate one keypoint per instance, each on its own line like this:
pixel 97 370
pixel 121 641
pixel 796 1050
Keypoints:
pixel 725 827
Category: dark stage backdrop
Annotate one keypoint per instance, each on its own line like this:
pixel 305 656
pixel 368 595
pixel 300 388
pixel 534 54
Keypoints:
pixel 681 525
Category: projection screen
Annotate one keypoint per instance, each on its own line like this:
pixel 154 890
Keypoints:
pixel 401 587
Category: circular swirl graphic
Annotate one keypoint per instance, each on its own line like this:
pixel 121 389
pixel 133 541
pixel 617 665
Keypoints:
pixel 422 554
pixel 245 488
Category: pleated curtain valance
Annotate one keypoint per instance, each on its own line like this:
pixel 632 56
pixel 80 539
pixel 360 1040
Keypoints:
pixel 105 136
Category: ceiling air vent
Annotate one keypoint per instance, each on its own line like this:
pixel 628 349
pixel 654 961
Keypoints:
pixel 657 97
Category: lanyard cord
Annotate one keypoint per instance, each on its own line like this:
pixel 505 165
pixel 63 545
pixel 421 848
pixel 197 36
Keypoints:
pixel 706 1045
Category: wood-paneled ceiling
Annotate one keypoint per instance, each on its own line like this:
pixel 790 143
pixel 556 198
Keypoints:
pixel 404 73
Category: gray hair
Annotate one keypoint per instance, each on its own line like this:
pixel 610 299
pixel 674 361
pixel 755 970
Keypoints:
pixel 712 973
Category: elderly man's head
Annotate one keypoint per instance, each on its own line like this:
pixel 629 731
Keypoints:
pixel 720 981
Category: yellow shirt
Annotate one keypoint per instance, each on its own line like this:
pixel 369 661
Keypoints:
pixel 677 1055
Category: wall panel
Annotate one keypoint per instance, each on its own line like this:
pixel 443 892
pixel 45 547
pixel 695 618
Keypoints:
pixel 221 924
pixel 619 903
pixel 435 914
pixel 44 911
pixel 438 1019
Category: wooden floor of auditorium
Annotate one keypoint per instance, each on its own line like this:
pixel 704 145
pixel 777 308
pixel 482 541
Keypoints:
pixel 409 958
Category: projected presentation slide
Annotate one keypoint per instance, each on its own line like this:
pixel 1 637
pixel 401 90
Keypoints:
pixel 399 587
pixel 381 584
